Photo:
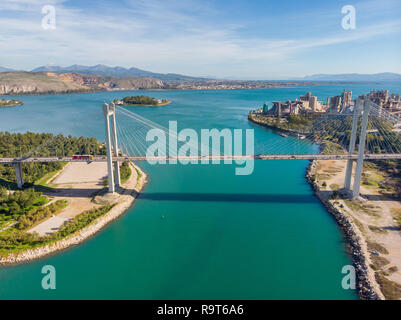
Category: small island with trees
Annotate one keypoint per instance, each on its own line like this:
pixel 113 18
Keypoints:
pixel 10 103
pixel 142 101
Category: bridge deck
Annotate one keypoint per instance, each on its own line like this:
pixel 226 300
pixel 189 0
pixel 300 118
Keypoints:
pixel 209 158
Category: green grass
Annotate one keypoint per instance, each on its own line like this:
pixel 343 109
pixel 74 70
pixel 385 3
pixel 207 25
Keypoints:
pixel 15 241
pixel 372 179
pixel 40 214
pixel 359 225
pixel 81 221
pixel 9 185
pixel 378 229
pixel 356 205
pixel 373 246
pixel 125 172
pixel 5 222
pixel 333 170
pixel 330 147
pixel 139 176
pixel 390 289
pixel 43 181
pixel 378 261
pixel 323 176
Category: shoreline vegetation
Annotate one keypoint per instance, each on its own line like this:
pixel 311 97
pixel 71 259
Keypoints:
pixel 84 225
pixel 141 101
pixel 43 217
pixel 10 103
pixel 371 223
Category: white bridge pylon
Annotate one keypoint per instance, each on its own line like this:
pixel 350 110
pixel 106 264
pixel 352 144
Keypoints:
pixel 381 122
pixel 113 168
pixel 362 106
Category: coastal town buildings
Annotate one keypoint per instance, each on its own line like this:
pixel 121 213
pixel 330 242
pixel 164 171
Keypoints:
pixel 309 104
pixel 305 104
pixel 383 98
pixel 339 104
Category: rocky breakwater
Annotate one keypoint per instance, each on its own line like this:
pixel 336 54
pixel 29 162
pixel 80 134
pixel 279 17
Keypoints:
pixel 368 288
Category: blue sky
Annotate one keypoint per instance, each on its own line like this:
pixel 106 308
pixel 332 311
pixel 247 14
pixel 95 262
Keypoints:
pixel 226 39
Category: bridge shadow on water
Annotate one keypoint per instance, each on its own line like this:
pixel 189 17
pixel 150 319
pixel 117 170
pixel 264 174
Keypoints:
pixel 228 197
pixel 245 197
pixel 183 196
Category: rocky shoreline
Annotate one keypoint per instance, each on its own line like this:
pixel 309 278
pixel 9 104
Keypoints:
pixel 82 235
pixel 367 287
pixel 289 132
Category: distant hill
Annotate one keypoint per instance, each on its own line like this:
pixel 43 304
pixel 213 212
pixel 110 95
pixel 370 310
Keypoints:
pixel 48 81
pixel 51 82
pixel 117 72
pixel 386 76
pixel 2 69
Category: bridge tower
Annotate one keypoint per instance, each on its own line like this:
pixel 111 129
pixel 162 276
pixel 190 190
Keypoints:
pixel 351 149
pixel 113 168
pixel 361 149
pixel 365 105
pixel 19 174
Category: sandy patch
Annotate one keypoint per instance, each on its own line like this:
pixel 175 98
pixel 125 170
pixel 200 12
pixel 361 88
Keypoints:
pixel 122 200
pixel 82 172
pixel 77 183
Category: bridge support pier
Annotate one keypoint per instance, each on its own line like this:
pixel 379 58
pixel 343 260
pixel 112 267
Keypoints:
pixel 348 172
pixel 117 180
pixel 19 174
pixel 361 149
pixel 113 169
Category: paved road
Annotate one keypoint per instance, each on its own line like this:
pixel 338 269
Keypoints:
pixel 210 158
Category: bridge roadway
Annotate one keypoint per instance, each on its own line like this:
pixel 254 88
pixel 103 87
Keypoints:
pixel 382 156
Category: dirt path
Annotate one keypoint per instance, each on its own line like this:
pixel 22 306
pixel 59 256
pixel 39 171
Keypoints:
pixel 122 200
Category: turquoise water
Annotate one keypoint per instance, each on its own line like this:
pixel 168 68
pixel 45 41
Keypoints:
pixel 263 236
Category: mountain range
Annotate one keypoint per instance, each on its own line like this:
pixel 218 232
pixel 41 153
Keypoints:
pixel 6 70
pixel 121 72
pixel 117 72
pixel 381 77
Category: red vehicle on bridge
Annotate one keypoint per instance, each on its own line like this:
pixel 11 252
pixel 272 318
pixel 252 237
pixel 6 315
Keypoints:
pixel 82 157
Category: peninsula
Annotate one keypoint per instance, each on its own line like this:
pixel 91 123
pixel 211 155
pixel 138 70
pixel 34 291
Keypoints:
pixel 52 82
pixel 142 101
pixel 62 204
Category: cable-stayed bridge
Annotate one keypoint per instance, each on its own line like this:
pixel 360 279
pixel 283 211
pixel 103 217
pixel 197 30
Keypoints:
pixel 370 128
pixel 382 156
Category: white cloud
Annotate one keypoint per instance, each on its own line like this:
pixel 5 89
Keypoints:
pixel 178 36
